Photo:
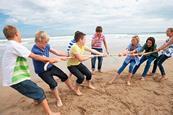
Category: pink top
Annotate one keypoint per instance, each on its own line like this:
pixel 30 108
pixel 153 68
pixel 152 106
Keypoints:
pixel 98 41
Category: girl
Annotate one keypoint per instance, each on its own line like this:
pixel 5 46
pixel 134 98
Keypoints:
pixel 74 64
pixel 132 60
pixel 96 44
pixel 149 46
pixel 167 53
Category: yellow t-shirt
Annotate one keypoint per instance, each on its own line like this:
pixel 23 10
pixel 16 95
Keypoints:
pixel 75 49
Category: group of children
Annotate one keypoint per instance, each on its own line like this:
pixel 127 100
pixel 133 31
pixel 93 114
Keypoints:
pixel 16 72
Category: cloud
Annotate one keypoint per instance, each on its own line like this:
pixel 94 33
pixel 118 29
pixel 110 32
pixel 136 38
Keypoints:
pixel 69 15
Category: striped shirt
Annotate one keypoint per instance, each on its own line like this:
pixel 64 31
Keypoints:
pixel 15 68
pixel 70 44
pixel 98 41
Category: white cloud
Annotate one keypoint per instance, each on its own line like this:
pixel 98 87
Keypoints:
pixel 114 15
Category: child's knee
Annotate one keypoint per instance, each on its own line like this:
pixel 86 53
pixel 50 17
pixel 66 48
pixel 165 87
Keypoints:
pixel 41 95
pixel 53 85
pixel 80 79
pixel 64 78
pixel 89 76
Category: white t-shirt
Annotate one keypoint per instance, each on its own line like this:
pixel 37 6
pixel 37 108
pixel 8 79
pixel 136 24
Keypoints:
pixel 14 64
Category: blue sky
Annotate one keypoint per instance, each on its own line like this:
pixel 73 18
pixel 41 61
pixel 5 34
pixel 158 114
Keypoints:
pixel 64 17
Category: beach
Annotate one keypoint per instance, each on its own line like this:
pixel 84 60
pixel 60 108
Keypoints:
pixel 141 98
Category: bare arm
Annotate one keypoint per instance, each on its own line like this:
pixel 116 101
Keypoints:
pixel 58 53
pixel 165 45
pixel 106 47
pixel 43 59
pixel 82 58
pixel 93 51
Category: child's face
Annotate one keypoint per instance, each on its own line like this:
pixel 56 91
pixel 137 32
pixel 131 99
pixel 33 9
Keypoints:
pixel 149 43
pixel 83 40
pixel 169 33
pixel 134 42
pixel 98 34
pixel 18 36
pixel 42 43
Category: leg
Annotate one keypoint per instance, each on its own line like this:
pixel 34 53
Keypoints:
pixel 131 66
pixel 48 78
pixel 118 72
pixel 64 78
pixel 161 68
pixel 137 66
pixel 147 66
pixel 31 90
pixel 100 60
pixel 93 62
pixel 83 69
pixel 80 77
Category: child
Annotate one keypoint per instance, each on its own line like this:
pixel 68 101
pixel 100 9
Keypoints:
pixel 42 48
pixel 70 44
pixel 96 44
pixel 15 69
pixel 149 46
pixel 132 60
pixel 74 64
pixel 167 53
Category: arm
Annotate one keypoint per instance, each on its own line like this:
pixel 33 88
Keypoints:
pixel 82 58
pixel 93 51
pixel 105 44
pixel 165 45
pixel 58 53
pixel 93 41
pixel 43 59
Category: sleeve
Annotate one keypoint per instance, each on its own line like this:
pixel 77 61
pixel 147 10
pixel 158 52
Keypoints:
pixel 22 51
pixel 128 47
pixel 75 50
pixel 139 48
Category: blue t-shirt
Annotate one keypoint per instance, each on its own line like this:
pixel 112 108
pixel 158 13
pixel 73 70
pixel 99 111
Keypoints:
pixel 38 65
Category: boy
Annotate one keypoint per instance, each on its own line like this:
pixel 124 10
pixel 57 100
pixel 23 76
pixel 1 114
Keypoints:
pixel 15 69
pixel 42 48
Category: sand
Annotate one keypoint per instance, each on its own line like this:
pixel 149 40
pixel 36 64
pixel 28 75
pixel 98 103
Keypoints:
pixel 141 98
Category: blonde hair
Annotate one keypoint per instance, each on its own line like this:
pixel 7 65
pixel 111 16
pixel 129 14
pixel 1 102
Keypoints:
pixel 40 35
pixel 135 38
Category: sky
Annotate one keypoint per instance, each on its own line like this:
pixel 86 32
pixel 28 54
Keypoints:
pixel 64 17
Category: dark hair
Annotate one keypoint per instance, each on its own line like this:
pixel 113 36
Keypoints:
pixel 76 33
pixel 9 31
pixel 99 29
pixel 79 35
pixel 151 39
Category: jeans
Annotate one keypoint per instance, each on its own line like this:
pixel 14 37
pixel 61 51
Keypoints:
pixel 149 60
pixel 79 71
pixel 30 89
pixel 100 59
pixel 131 66
pixel 158 62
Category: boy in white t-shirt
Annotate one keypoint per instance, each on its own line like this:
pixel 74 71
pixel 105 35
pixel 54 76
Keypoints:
pixel 15 69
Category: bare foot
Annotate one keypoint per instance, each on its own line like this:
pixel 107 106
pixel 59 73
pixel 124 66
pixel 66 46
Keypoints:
pixel 162 79
pixel 78 92
pixel 100 71
pixel 91 86
pixel 53 113
pixel 128 83
pixel 59 103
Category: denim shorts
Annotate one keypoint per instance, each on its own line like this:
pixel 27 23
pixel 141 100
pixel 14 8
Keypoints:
pixel 30 89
